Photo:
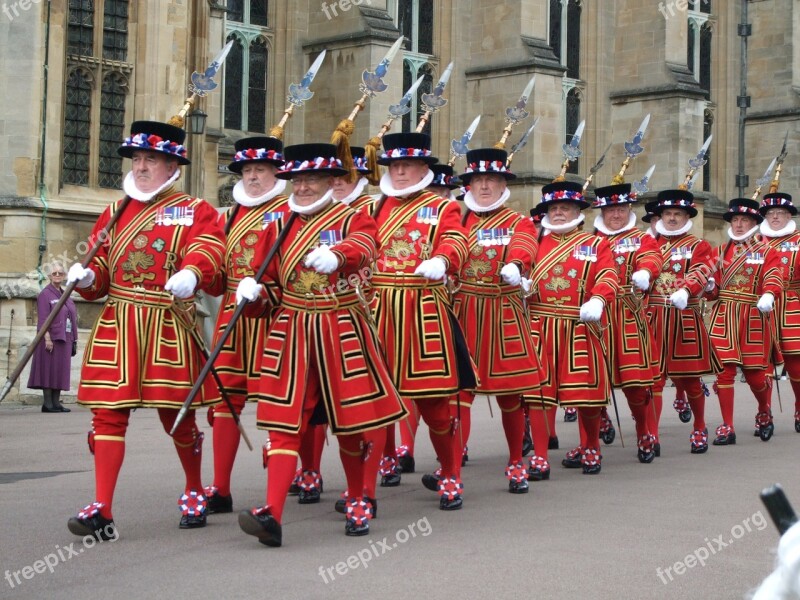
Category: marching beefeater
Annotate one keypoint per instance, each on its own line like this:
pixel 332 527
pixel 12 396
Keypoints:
pixel 320 353
pixel 680 335
pixel 259 199
pixel 142 353
pixel 748 280
pixel 442 185
pixel 572 281
pixel 680 404
pixel 488 303
pixel 307 483
pixel 422 241
pixel 779 232
pixel 638 261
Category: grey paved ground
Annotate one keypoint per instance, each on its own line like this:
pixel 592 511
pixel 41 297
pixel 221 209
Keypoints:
pixel 574 536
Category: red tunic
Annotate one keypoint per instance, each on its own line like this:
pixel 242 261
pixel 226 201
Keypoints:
pixel 318 327
pixel 238 360
pixel 628 338
pixel 681 335
pixel 740 332
pixel 413 314
pixel 491 312
pixel 787 307
pixel 141 352
pixel 570 269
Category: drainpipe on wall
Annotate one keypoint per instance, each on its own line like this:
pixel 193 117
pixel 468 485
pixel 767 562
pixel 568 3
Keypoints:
pixel 743 100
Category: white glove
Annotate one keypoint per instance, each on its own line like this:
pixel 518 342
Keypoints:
pixel 433 269
pixel 592 310
pixel 248 289
pixel 711 284
pixel 641 279
pixel 766 303
pixel 83 277
pixel 510 274
pixel 322 260
pixel 526 284
pixel 182 284
pixel 680 299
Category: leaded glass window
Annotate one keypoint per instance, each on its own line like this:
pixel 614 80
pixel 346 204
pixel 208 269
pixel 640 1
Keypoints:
pixel 247 66
pixel 95 92
pixel 80 27
pixel 112 130
pixel 115 30
pixel 257 88
pixel 77 127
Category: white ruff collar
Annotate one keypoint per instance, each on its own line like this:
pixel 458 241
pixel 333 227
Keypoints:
pixel 360 185
pixel 469 200
pixel 242 198
pixel 311 209
pixel 565 228
pixel 386 186
pixel 601 226
pixel 129 185
pixel 660 229
pixel 767 231
pixel 744 236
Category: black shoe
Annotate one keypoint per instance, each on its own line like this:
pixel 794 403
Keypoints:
pixel 645 456
pixel 431 482
pixel 308 496
pixel 98 527
pixel 62 408
pixel 45 409
pixel 591 470
pixel 217 503
pixel 685 415
pixel 725 437
pixel 518 487
pixel 407 463
pixel 608 436
pixel 573 459
pixel 657 449
pixel 192 521
pixel 294 489
pixel 340 506
pixel 570 417
pixel 552 443
pixel 464 457
pixel 765 432
pixel 262 525
pixel 350 528
pixel 797 425
pixel 391 480
pixel 454 504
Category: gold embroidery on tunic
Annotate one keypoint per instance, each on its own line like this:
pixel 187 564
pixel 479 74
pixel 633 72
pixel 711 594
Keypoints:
pixel 138 259
pixel 310 281
pixel 556 284
pixel 477 268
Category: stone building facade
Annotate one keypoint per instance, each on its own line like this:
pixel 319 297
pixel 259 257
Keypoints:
pixel 78 72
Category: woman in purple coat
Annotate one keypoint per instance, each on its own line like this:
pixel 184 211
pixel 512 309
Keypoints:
pixel 50 368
